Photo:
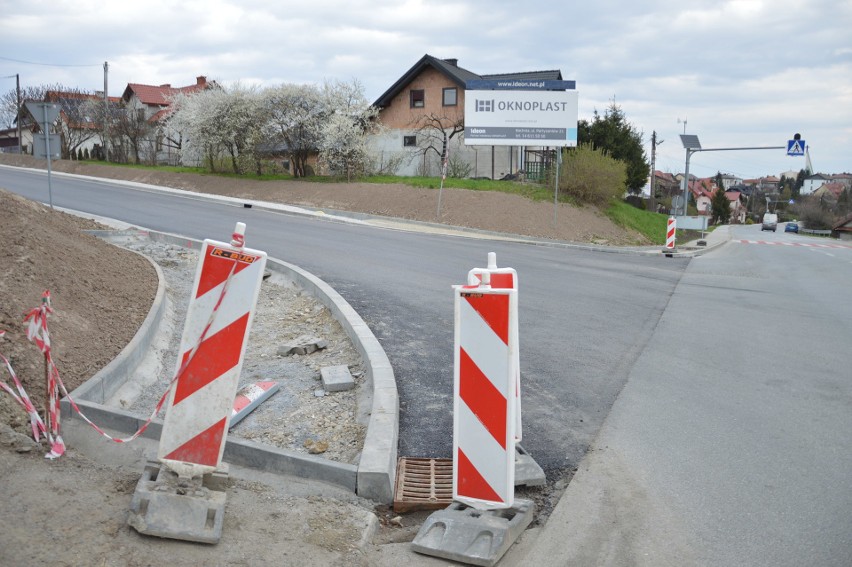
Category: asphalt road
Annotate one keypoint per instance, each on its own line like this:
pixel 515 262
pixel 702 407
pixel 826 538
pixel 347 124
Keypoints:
pixel 584 317
pixel 730 444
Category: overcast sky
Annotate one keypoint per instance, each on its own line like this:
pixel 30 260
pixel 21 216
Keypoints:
pixel 736 73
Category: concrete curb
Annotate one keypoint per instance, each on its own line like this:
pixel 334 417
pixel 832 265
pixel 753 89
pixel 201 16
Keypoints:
pixel 374 475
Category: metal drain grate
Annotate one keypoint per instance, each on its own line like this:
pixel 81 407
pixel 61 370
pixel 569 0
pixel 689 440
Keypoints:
pixel 423 484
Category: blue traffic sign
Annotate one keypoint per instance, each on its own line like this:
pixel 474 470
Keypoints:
pixel 795 147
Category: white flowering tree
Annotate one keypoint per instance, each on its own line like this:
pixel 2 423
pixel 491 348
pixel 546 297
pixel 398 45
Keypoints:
pixel 345 138
pixel 295 115
pixel 217 123
pixel 246 124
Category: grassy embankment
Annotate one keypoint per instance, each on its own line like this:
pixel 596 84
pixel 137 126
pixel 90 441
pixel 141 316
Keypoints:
pixel 651 225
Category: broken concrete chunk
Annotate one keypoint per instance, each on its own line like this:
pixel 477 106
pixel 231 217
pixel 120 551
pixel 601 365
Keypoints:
pixel 302 345
pixel 337 378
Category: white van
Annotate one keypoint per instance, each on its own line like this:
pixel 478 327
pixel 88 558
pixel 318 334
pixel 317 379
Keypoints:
pixel 770 222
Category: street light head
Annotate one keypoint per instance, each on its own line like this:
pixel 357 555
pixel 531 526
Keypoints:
pixel 690 141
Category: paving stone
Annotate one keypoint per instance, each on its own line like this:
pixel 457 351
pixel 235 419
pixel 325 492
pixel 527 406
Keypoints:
pixel 337 378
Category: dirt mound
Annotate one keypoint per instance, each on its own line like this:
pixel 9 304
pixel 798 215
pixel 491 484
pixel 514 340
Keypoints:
pixel 100 295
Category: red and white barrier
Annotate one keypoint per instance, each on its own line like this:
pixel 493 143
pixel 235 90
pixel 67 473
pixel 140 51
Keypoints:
pixel 671 227
pixel 249 398
pixel 227 283
pixel 484 390
pixel 504 278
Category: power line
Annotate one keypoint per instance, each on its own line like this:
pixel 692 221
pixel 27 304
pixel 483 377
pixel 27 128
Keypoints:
pixel 46 64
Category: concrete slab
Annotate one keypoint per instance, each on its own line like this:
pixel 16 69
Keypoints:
pixel 167 506
pixel 337 378
pixel 476 537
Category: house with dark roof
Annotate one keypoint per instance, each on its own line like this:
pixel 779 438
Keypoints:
pixel 424 109
pixel 80 122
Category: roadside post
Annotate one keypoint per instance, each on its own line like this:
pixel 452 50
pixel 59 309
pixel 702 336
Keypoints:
pixel 181 496
pixel 47 113
pixel 484 519
pixel 671 230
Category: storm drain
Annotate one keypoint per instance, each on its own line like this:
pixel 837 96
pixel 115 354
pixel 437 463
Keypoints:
pixel 423 484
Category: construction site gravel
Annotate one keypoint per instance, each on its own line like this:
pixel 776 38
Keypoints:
pixel 302 416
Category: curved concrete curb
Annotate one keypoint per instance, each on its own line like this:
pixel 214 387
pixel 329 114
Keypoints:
pixel 374 475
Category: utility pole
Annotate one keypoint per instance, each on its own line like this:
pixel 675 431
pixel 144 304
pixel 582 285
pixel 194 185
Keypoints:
pixel 654 143
pixel 106 113
pixel 18 119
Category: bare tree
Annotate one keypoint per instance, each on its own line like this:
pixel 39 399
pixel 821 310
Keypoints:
pixel 434 133
pixel 77 123
pixel 9 100
pixel 132 126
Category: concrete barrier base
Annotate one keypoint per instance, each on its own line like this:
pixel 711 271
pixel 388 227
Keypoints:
pixel 476 537
pixel 527 471
pixel 167 506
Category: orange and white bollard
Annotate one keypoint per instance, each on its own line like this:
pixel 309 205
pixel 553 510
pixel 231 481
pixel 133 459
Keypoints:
pixel 484 391
pixel 504 278
pixel 671 229
pixel 200 406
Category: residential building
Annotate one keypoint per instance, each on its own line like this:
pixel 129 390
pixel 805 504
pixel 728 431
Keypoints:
pixel 702 193
pixel 425 107
pixel 843 178
pixel 813 182
pixel 148 134
pixel 738 209
pixel 843 229
pixel 80 123
pixel 829 191
pixel 729 181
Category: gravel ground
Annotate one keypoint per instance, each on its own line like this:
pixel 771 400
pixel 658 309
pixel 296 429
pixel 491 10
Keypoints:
pixel 302 416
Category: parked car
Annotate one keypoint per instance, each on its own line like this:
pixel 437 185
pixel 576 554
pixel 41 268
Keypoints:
pixel 791 227
pixel 770 222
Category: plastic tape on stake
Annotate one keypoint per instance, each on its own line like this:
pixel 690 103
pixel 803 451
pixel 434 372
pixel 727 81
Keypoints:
pixel 504 278
pixel 484 387
pixel 200 405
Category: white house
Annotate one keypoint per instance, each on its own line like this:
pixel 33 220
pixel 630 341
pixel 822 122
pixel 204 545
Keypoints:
pixel 813 182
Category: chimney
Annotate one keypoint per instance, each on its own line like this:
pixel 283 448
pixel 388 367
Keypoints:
pixel 200 80
pixel 453 62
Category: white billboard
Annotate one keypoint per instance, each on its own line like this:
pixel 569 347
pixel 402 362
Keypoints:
pixel 520 118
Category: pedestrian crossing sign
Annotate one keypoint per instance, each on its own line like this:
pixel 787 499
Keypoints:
pixel 795 147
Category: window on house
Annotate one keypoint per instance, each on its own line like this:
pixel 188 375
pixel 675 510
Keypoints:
pixel 450 96
pixel 418 98
pixel 409 141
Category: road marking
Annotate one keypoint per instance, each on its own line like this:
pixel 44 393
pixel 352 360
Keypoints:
pixel 804 244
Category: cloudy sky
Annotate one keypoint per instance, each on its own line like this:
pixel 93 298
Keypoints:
pixel 736 73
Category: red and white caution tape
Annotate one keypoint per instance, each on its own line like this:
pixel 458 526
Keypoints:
pixel 38 333
pixel 22 398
